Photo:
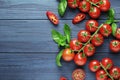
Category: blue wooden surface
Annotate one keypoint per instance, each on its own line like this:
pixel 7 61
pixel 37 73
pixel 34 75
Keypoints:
pixel 27 51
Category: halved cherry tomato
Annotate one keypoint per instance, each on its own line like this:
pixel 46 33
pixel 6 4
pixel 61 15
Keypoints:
pixel 79 17
pixel 52 17
pixel 101 75
pixel 84 6
pixel 63 78
pixel 117 35
pixel 78 74
pixel 73 3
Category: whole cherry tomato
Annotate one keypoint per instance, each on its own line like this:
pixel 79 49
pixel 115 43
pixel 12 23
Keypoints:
pixel 94 12
pixel 97 40
pixel 68 55
pixel 107 63
pixel 92 25
pixel 95 1
pixel 104 5
pixel 106 30
pixel 101 75
pixel 63 78
pixel 94 65
pixel 89 50
pixel 75 44
pixel 73 3
pixel 115 72
pixel 117 35
pixel 84 6
pixel 79 17
pixel 80 59
pixel 52 17
pixel 109 79
pixel 78 74
pixel 115 46
pixel 83 35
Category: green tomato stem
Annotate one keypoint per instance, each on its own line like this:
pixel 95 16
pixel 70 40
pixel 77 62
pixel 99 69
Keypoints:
pixel 116 21
pixel 93 3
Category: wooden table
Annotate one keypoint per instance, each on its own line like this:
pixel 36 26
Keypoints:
pixel 27 51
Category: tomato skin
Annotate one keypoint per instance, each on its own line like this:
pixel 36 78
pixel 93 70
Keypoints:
pixel 68 55
pixel 78 74
pixel 106 30
pixel 80 59
pixel 52 17
pixel 107 63
pixel 75 44
pixel 115 72
pixel 84 6
pixel 100 73
pixel 117 35
pixel 95 1
pixel 92 25
pixel 94 12
pixel 63 78
pixel 79 17
pixel 97 40
pixel 104 5
pixel 83 35
pixel 89 50
pixel 94 65
pixel 73 3
pixel 114 46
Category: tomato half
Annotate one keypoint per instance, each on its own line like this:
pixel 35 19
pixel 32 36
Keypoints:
pixel 117 35
pixel 63 78
pixel 84 6
pixel 73 3
pixel 101 75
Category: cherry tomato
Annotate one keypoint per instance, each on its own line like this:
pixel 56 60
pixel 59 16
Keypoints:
pixel 94 65
pixel 84 6
pixel 95 1
pixel 89 50
pixel 101 75
pixel 106 30
pixel 107 63
pixel 80 59
pixel 73 3
pixel 92 25
pixel 68 55
pixel 83 35
pixel 109 79
pixel 115 72
pixel 94 12
pixel 75 44
pixel 97 40
pixel 115 45
pixel 52 17
pixel 104 5
pixel 63 78
pixel 78 74
pixel 117 35
pixel 79 17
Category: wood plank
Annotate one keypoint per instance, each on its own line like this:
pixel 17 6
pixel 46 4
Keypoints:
pixel 35 35
pixel 41 66
pixel 30 9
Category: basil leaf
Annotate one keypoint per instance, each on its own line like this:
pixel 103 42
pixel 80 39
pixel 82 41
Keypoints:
pixel 67 32
pixel 62 7
pixel 58 58
pixel 114 28
pixel 108 21
pixel 111 12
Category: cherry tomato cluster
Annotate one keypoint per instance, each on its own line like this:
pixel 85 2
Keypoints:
pixel 105 69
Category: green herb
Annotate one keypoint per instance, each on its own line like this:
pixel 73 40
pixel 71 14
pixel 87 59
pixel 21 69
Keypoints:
pixel 114 28
pixel 111 13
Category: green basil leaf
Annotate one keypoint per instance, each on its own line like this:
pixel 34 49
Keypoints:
pixel 111 12
pixel 108 22
pixel 62 7
pixel 114 28
pixel 67 32
pixel 58 58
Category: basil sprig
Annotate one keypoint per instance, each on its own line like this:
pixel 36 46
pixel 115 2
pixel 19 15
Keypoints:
pixel 58 58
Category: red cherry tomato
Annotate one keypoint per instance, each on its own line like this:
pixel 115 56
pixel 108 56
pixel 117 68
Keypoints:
pixel 107 63
pixel 78 74
pixel 115 72
pixel 117 35
pixel 63 78
pixel 97 40
pixel 104 5
pixel 89 50
pixel 84 6
pixel 115 46
pixel 94 65
pixel 83 35
pixel 79 17
pixel 80 59
pixel 106 30
pixel 109 79
pixel 95 1
pixel 92 25
pixel 68 55
pixel 73 3
pixel 94 12
pixel 75 44
pixel 52 17
pixel 101 75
